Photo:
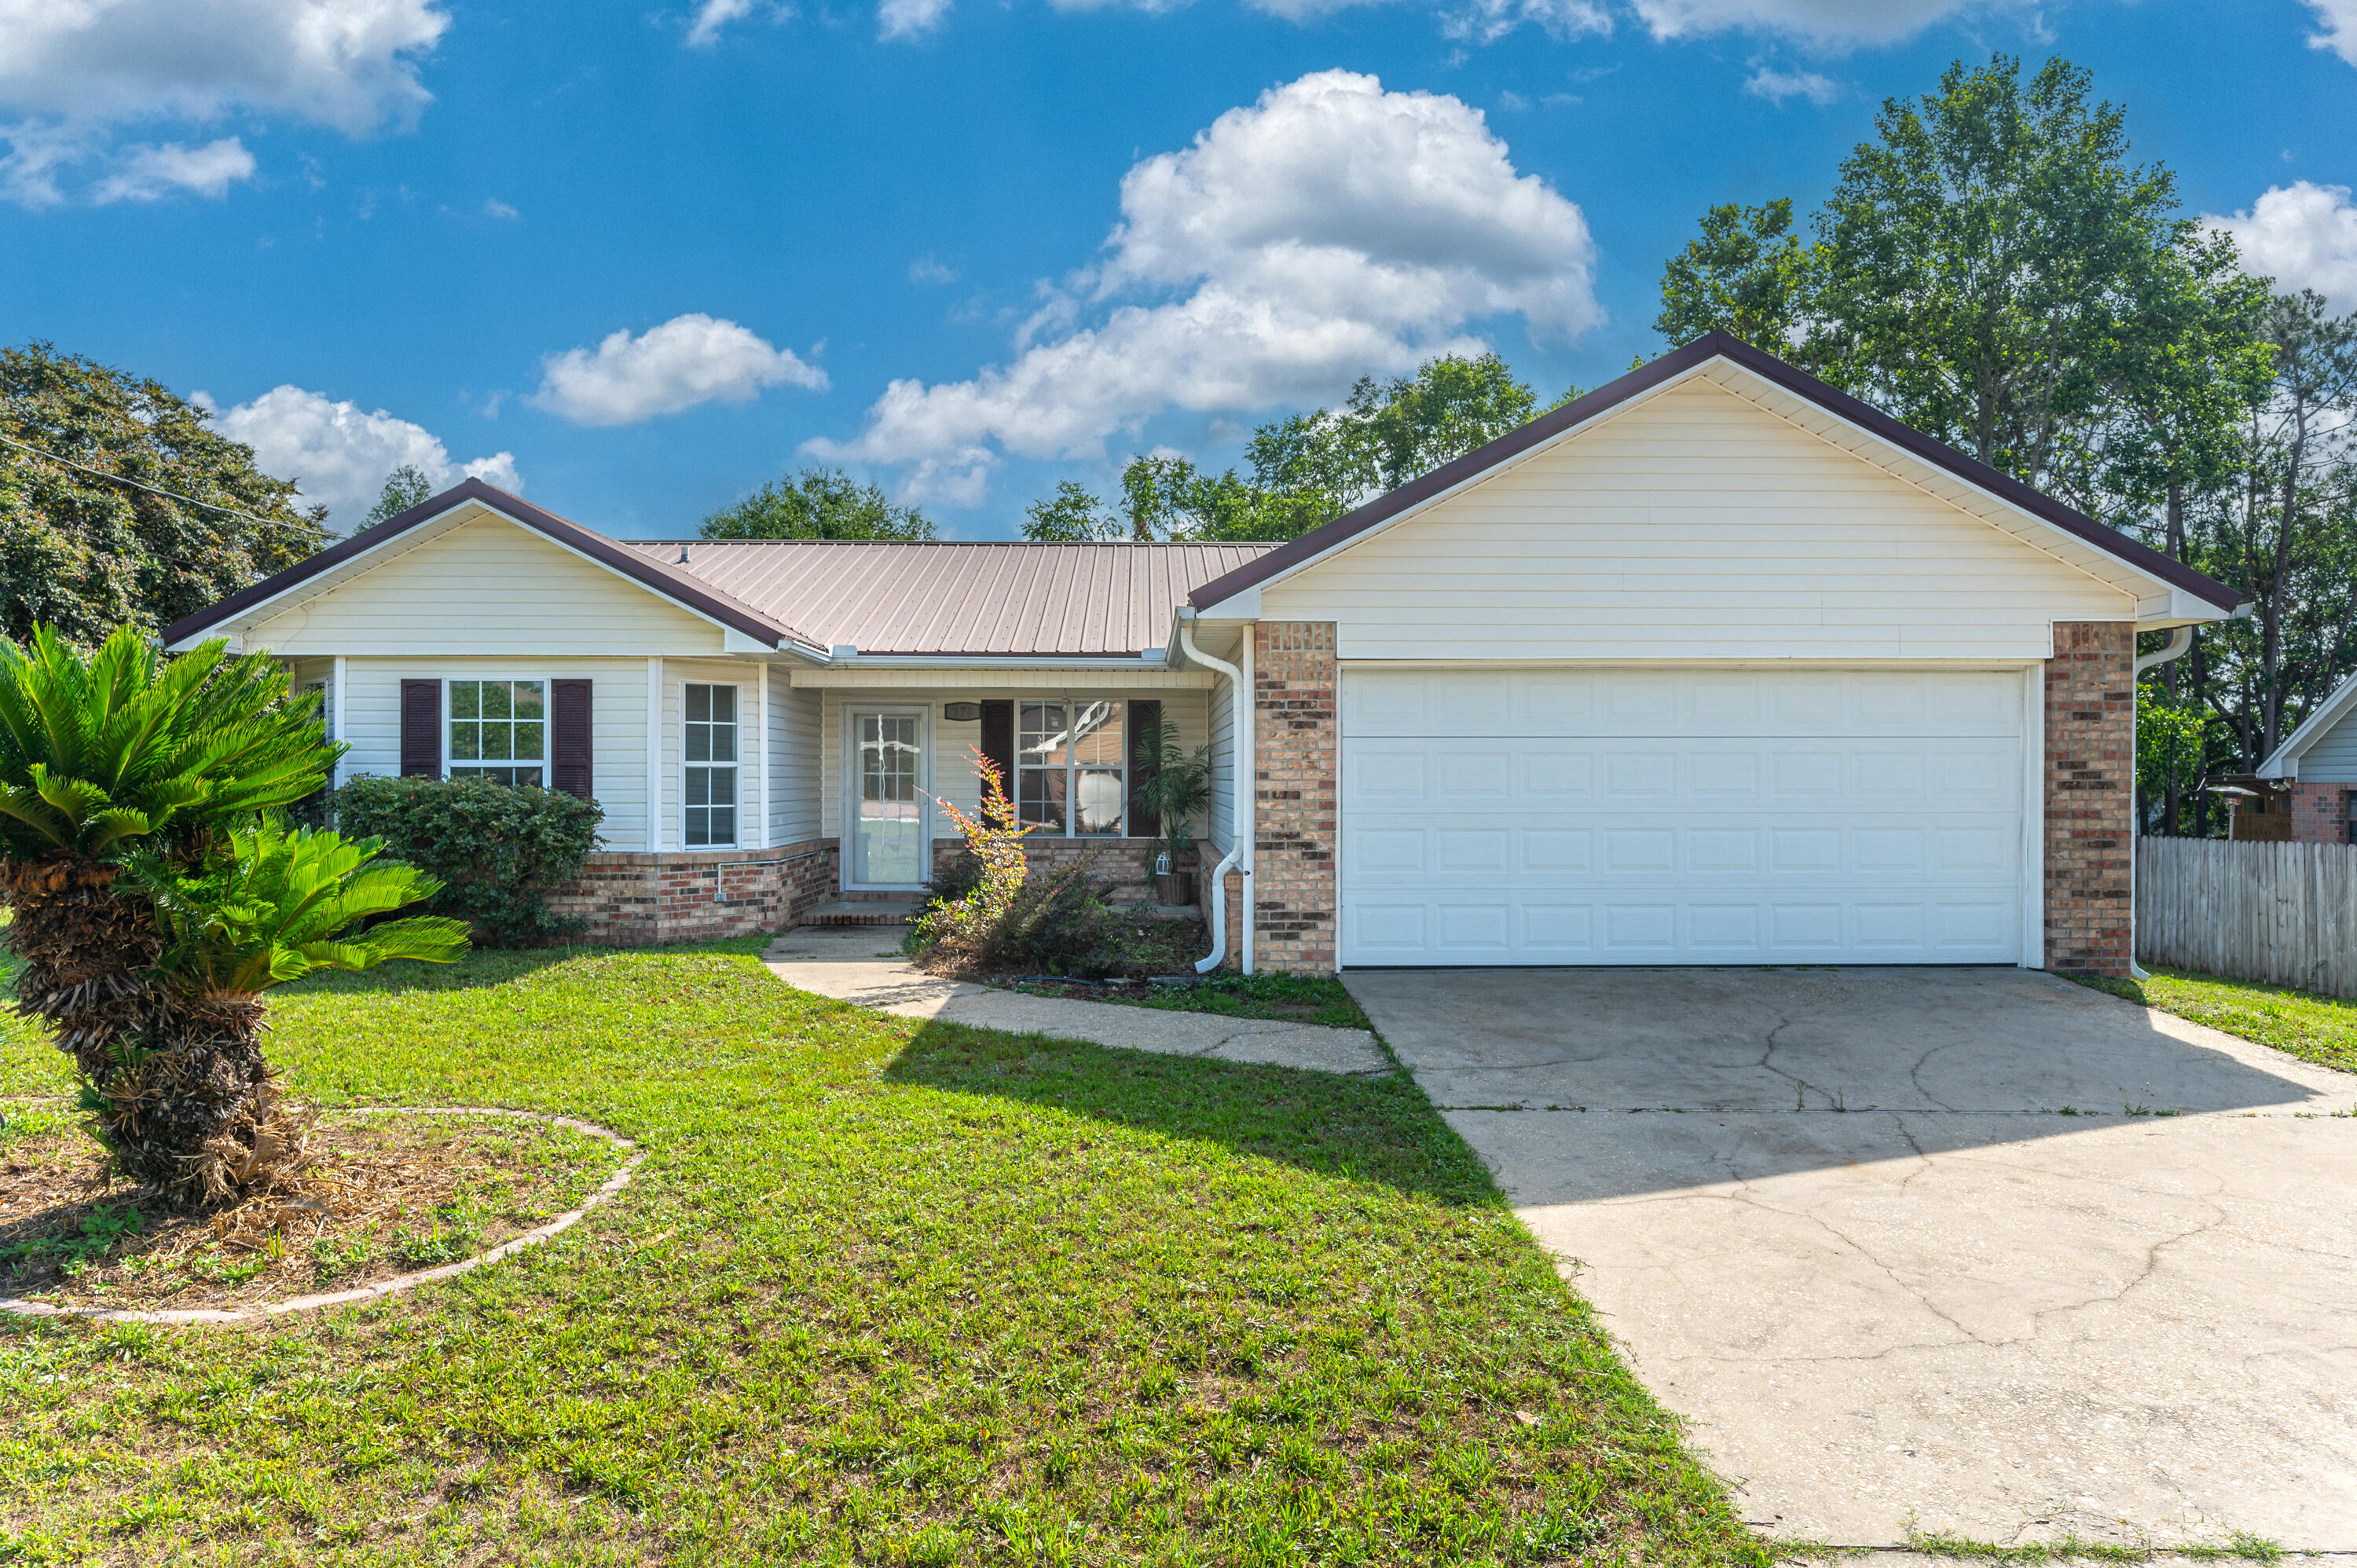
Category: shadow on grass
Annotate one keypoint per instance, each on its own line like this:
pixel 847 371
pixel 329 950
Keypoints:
pixel 1354 1129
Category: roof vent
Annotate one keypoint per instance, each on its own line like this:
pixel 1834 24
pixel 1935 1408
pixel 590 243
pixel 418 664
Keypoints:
pixel 683 554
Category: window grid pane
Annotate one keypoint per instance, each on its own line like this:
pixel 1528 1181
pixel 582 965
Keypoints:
pixel 707 748
pixel 497 721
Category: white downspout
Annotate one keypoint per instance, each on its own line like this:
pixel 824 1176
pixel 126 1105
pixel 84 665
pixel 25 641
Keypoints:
pixel 1237 698
pixel 2179 643
pixel 1248 788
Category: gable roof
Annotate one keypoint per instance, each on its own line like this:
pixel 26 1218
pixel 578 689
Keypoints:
pixel 689 592
pixel 951 598
pixel 1674 366
pixel 2315 728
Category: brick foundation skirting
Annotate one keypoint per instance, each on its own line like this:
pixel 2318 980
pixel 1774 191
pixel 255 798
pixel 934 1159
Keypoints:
pixel 632 898
pixel 2090 797
pixel 1124 868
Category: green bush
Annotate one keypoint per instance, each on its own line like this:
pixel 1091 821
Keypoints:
pixel 988 916
pixel 498 848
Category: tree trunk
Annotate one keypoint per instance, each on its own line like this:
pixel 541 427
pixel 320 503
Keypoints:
pixel 176 1085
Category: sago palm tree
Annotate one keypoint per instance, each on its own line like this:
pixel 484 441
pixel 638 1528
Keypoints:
pixel 133 794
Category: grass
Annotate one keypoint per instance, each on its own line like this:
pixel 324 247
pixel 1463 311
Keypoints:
pixel 2240 1546
pixel 2321 1029
pixel 883 1293
pixel 1292 998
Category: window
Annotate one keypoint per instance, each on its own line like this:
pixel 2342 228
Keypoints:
pixel 1071 766
pixel 498 731
pixel 710 757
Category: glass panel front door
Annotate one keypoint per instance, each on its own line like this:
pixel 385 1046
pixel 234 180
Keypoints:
pixel 888 830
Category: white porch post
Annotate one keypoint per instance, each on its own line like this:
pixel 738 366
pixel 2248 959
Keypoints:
pixel 654 753
pixel 761 742
pixel 336 726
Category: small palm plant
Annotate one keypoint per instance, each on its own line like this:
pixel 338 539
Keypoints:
pixel 1172 784
pixel 153 898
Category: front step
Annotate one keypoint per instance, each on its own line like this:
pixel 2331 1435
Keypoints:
pixel 869 911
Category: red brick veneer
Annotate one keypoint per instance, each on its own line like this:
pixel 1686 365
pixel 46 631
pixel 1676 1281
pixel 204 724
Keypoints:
pixel 2090 797
pixel 1295 756
pixel 2319 813
pixel 631 898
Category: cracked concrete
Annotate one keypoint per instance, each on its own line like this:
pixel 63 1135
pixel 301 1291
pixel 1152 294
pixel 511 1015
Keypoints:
pixel 855 964
pixel 1949 1306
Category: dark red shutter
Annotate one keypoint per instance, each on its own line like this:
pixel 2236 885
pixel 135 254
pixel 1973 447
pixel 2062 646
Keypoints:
pixel 421 729
pixel 568 738
pixel 998 739
pixel 1143 718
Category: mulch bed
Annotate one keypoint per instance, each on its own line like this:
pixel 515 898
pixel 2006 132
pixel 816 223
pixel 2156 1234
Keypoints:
pixel 386 1193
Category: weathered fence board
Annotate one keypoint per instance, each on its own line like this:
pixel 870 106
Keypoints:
pixel 2284 914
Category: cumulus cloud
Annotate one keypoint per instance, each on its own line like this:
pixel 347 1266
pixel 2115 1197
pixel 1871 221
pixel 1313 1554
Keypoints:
pixel 340 456
pixel 1827 23
pixel 147 173
pixel 1328 231
pixel 2339 21
pixel 1777 85
pixel 689 359
pixel 2303 235
pixel 713 15
pixel 72 68
pixel 912 19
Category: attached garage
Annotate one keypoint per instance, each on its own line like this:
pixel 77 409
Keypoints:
pixel 1567 816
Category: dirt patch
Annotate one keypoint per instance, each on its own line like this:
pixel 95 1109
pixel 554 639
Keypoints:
pixel 387 1193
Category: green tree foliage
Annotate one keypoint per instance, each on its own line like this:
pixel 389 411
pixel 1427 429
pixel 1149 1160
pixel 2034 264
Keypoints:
pixel 817 503
pixel 82 551
pixel 153 899
pixel 405 487
pixel 1749 274
pixel 1307 469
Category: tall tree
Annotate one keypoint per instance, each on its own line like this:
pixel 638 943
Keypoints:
pixel 1749 274
pixel 120 505
pixel 405 487
pixel 817 503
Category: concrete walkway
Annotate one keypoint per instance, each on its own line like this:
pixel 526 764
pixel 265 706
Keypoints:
pixel 1962 1250
pixel 857 964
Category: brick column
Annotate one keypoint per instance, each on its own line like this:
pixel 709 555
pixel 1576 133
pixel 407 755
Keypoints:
pixel 2090 797
pixel 2318 814
pixel 1294 758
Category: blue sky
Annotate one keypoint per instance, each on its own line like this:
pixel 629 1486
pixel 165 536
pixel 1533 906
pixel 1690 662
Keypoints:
pixel 637 259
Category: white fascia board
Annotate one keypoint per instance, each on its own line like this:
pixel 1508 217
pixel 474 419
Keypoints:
pixel 1245 606
pixel 2283 761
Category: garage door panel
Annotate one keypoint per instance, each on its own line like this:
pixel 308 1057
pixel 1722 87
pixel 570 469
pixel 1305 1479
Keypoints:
pixel 1627 845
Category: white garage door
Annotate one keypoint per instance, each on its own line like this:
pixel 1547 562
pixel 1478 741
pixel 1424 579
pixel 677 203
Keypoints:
pixel 1669 816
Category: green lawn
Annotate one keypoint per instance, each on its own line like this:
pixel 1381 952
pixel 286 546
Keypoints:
pixel 1293 998
pixel 882 1292
pixel 2320 1029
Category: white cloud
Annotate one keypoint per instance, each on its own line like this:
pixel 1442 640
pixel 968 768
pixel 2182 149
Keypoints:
pixel 925 269
pixel 1777 85
pixel 1328 231
pixel 1827 23
pixel 914 18
pixel 147 173
pixel 70 68
pixel 340 456
pixel 712 15
pixel 1486 21
pixel 689 359
pixel 494 207
pixel 2339 34
pixel 350 64
pixel 2303 235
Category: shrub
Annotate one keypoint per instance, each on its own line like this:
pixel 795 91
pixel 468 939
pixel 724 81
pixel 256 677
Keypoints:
pixel 987 914
pixel 498 849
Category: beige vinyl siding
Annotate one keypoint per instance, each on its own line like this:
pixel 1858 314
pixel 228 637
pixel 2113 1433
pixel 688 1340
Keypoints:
pixel 1220 825
pixel 796 749
pixel 677 673
pixel 1695 526
pixel 485 587
pixel 948 759
pixel 618 702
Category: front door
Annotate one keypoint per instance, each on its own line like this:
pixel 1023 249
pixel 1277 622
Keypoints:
pixel 887 811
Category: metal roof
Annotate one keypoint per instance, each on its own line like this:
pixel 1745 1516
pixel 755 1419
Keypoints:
pixel 955 598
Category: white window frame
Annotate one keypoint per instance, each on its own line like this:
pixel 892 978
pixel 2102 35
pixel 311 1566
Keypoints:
pixel 1073 769
pixel 736 767
pixel 449 718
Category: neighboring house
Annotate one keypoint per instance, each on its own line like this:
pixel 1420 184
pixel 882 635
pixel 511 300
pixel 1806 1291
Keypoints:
pixel 1714 665
pixel 2318 762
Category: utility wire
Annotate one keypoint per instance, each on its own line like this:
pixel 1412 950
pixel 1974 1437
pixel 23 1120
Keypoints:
pixel 118 478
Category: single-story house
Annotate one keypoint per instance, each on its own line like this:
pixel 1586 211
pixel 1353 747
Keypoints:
pixel 2316 763
pixel 1714 665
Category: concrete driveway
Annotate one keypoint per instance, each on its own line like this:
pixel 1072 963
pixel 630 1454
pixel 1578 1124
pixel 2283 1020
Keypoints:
pixel 1919 1248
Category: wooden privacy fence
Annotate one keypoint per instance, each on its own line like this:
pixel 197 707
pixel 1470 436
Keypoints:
pixel 2282 914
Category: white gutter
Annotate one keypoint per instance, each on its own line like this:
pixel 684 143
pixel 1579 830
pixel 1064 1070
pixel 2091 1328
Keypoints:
pixel 1248 786
pixel 2179 642
pixel 844 655
pixel 1237 695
